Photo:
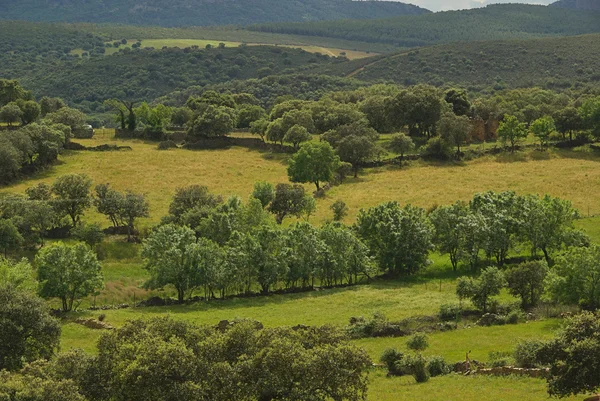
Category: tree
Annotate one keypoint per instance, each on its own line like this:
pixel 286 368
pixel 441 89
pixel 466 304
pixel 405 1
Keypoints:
pixel 134 206
pixel 248 113
pixel 31 111
pixel 401 144
pixel 181 116
pixel 590 115
pixel 339 209
pixel 447 237
pixel 171 258
pixel 454 129
pixel 68 272
pixel 12 91
pixel 91 234
pixel 296 135
pixel 10 160
pixel 575 279
pixel 264 192
pixel 259 127
pixel 567 121
pixel 357 150
pixel 109 203
pixel 17 275
pixel 314 162
pixel 512 131
pixel 214 121
pixel 572 356
pixel 50 105
pixel 72 193
pixel 399 238
pixel 459 100
pixel 126 113
pixel 547 223
pixel 542 128
pixel 419 108
pixel 288 201
pixel 526 281
pixel 190 198
pixel 489 284
pixel 70 117
pixel 275 131
pixel 10 114
pixel 28 331
pixel 10 238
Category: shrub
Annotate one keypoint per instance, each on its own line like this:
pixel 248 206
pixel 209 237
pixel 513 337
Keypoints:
pixel 416 366
pixel 500 359
pixel 515 317
pixel 418 342
pixel 450 312
pixel 392 359
pixel 526 353
pixel 437 366
pixel 164 145
pixel 437 148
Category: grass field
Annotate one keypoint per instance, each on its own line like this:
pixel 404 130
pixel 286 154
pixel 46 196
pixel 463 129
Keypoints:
pixel 202 43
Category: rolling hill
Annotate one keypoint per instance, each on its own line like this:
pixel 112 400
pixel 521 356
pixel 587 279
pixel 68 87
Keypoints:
pixel 199 12
pixel 495 22
pixel 578 4
pixel 553 63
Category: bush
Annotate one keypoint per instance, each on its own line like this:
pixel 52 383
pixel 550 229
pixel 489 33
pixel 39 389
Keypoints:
pixel 450 312
pixel 515 317
pixel 437 366
pixel 392 359
pixel 437 148
pixel 416 366
pixel 418 342
pixel 164 145
pixel 526 353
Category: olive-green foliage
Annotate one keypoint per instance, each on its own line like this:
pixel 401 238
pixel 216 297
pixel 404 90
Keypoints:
pixel 72 196
pixel 339 209
pixel 27 330
pixel 399 238
pixel 10 238
pixel 480 291
pixel 313 163
pixel 527 281
pixel 572 357
pixel 512 131
pixel 418 342
pixel 18 275
pixel 264 192
pixel 68 272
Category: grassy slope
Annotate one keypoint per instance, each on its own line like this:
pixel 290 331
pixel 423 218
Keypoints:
pixel 552 63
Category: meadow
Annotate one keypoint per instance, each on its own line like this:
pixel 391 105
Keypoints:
pixel 569 174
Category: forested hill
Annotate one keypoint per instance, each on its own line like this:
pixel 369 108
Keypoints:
pixel 578 4
pixel 200 12
pixel 495 22
pixel 554 63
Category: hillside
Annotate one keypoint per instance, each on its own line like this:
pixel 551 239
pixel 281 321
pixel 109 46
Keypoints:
pixel 200 12
pixel 496 22
pixel 550 63
pixel 148 73
pixel 578 4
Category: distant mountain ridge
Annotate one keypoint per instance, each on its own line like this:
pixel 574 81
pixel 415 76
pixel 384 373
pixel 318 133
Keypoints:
pixel 171 13
pixel 578 4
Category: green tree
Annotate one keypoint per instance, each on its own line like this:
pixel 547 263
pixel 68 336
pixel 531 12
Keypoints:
pixel 568 121
pixel 572 356
pixel 296 135
pixel 214 121
pixel 447 237
pixel 259 127
pixel 248 114
pixel 28 331
pixel 134 206
pixel 357 150
pixel 72 193
pixel 401 144
pixel 526 281
pixel 480 291
pixel 575 279
pixel 171 259
pixel 542 128
pixel 72 118
pixel 314 162
pixel 288 201
pixel 454 129
pixel 264 192
pixel 18 275
pixel 50 105
pixel 512 131
pixel 10 160
pixel 109 203
pixel 399 238
pixel 31 111
pixel 339 209
pixel 91 234
pixel 10 114
pixel 68 272
pixel 590 115
pixel 192 197
pixel 10 238
pixel 459 100
pixel 275 131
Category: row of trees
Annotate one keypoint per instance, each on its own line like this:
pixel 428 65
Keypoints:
pixel 57 209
